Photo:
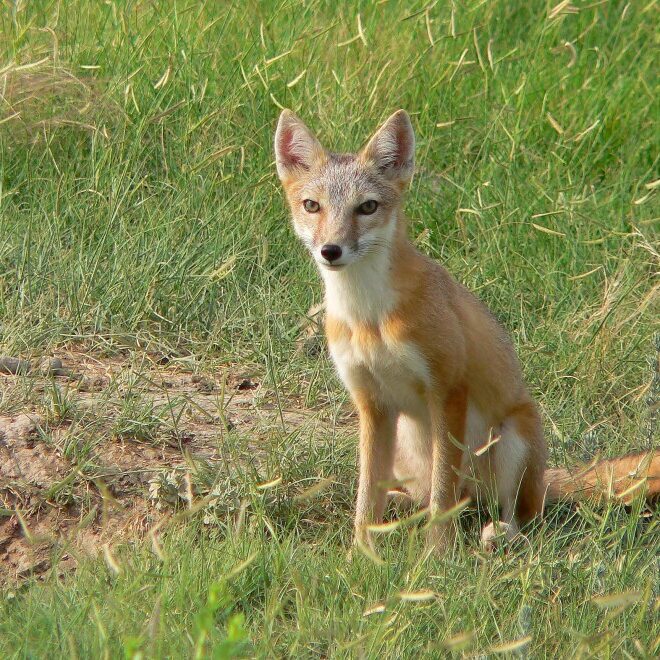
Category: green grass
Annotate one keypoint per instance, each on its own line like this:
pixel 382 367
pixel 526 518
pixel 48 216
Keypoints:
pixel 139 209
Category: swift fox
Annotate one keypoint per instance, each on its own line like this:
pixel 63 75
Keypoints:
pixel 442 404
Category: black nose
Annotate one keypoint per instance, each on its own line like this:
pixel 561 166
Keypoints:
pixel 331 252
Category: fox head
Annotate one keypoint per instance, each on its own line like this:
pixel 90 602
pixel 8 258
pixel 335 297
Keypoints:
pixel 345 206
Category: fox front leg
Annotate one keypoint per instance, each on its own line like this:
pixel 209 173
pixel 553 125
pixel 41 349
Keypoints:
pixel 446 461
pixel 377 430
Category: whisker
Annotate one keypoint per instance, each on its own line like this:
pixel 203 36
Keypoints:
pixel 374 245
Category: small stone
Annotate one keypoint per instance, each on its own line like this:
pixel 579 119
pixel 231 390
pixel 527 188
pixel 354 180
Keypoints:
pixel 311 340
pixel 54 367
pixel 247 384
pixel 205 386
pixel 14 366
pixel 23 426
pixel 93 384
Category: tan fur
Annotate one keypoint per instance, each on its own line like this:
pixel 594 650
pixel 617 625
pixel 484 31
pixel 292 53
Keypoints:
pixel 433 375
pixel 620 478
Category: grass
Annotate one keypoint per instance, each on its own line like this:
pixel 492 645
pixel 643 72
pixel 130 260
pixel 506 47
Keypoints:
pixel 139 211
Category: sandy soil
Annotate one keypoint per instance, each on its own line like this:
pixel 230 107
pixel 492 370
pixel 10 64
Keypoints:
pixel 51 507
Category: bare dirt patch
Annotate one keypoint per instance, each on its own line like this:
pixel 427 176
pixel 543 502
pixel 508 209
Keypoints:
pixel 101 454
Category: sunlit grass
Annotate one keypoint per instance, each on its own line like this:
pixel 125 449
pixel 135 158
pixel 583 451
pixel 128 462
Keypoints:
pixel 139 210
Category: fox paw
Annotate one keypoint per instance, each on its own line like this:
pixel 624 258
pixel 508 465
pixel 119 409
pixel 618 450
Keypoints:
pixel 400 501
pixel 494 534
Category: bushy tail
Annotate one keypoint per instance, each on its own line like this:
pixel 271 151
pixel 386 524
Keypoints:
pixel 624 478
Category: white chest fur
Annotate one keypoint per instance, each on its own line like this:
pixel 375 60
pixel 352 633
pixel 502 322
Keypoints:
pixel 393 371
pixel 361 294
pixel 361 298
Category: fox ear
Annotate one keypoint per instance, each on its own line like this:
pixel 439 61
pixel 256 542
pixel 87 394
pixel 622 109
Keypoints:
pixel 392 148
pixel 296 148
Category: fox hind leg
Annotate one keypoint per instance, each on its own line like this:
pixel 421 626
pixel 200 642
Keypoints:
pixel 508 464
pixel 519 465
pixel 531 489
pixel 412 462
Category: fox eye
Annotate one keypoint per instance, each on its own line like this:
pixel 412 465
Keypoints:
pixel 368 207
pixel 311 206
